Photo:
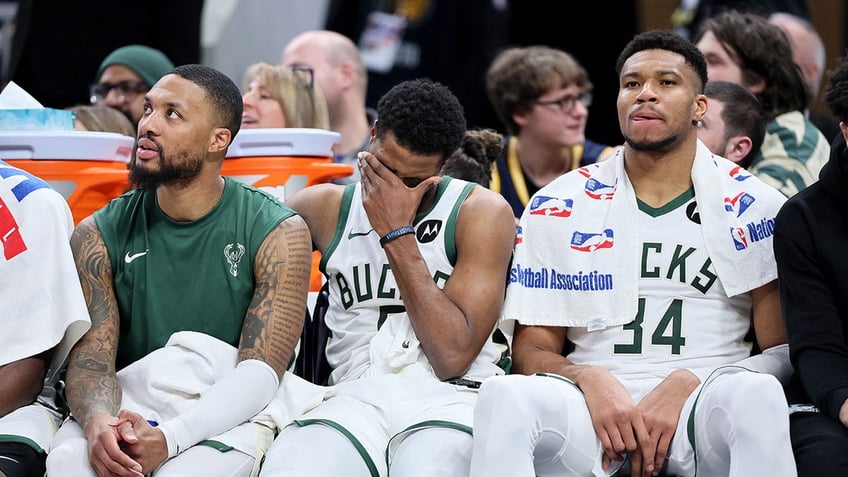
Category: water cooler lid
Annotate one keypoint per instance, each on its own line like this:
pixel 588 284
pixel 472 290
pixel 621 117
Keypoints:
pixel 66 145
pixel 283 142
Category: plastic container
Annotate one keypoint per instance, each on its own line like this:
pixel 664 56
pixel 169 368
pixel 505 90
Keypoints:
pixel 88 168
pixel 284 160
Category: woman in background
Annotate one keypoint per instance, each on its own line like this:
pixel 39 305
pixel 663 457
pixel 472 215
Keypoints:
pixel 277 96
pixel 91 117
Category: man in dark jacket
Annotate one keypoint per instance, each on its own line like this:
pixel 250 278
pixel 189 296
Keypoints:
pixel 810 240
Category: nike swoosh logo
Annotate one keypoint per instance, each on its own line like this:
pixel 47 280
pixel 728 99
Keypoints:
pixel 353 234
pixel 129 258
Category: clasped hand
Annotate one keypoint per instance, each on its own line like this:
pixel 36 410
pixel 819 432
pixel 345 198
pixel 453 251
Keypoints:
pixel 644 430
pixel 125 446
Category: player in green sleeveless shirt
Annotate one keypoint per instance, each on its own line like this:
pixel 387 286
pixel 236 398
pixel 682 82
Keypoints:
pixel 187 251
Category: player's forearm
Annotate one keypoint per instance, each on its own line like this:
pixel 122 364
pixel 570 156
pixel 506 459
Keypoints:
pixel 91 392
pixel 441 327
pixel 229 402
pixel 530 359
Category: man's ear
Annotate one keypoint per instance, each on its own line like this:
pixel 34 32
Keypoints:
pixel 700 108
pixel 738 147
pixel 219 140
pixel 348 77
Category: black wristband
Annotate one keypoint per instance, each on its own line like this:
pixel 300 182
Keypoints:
pixel 408 229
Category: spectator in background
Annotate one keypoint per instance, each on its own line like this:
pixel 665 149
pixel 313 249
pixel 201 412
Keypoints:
pixel 43 315
pixel 474 159
pixel 809 54
pixel 99 117
pixel 125 75
pixel 343 80
pixel 810 239
pixel 735 124
pixel 689 14
pixel 277 96
pixel 542 95
pixel 748 50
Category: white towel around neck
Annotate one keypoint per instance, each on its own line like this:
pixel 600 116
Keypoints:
pixel 577 250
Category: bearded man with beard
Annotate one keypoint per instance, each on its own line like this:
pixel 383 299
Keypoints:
pixel 189 268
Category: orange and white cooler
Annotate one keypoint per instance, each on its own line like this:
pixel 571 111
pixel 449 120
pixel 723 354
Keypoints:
pixel 284 160
pixel 88 168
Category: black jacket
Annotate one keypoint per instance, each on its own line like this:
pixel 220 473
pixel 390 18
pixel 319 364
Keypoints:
pixel 811 248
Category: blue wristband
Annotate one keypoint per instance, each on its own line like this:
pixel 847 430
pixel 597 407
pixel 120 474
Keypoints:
pixel 408 229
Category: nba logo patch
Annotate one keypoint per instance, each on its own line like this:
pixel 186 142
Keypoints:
pixel 739 174
pixel 586 171
pixel 10 234
pixel 519 235
pixel 739 239
pixel 551 206
pixel 589 242
pixel 598 190
pixel 738 204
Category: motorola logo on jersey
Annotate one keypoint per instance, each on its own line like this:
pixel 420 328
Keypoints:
pixel 692 212
pixel 428 231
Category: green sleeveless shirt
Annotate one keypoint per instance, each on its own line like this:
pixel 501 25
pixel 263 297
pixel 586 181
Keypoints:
pixel 172 276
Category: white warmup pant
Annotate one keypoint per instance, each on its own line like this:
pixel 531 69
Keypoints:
pixel 403 426
pixel 540 426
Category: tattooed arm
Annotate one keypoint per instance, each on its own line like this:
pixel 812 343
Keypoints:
pixel 274 320
pixel 92 388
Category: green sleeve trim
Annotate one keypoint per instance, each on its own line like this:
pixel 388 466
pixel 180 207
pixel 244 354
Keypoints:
pixel 22 440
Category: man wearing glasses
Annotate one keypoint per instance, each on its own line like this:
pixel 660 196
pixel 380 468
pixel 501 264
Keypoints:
pixel 125 75
pixel 542 95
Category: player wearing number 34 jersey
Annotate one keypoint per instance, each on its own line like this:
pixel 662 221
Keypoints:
pixel 631 308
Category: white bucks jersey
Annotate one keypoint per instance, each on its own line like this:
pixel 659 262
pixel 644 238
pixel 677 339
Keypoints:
pixel 684 317
pixel 370 330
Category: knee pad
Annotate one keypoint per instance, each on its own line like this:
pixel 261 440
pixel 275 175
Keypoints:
pixel 758 393
pixel 20 460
